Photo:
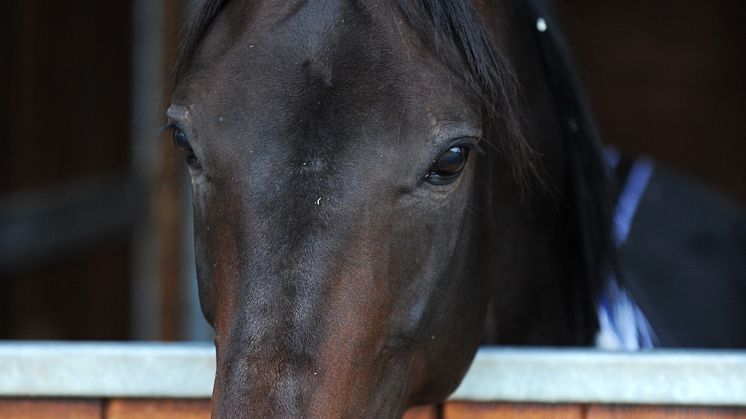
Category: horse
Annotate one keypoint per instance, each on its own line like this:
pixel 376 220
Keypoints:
pixel 381 186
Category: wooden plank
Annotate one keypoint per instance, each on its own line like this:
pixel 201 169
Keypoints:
pixel 461 410
pixel 157 408
pixel 168 201
pixel 422 412
pixel 50 408
pixel 199 409
pixel 667 412
pixel 158 290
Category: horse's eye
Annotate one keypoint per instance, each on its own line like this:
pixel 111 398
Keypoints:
pixel 448 166
pixel 181 141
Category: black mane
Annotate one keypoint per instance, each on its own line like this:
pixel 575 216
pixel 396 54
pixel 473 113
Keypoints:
pixel 589 196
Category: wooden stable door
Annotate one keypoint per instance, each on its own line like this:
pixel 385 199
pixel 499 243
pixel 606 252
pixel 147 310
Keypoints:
pixel 200 409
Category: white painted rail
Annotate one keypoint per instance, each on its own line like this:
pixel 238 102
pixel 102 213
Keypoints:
pixel 105 370
pixel 713 378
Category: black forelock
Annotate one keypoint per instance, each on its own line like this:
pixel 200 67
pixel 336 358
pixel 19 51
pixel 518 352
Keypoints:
pixel 200 21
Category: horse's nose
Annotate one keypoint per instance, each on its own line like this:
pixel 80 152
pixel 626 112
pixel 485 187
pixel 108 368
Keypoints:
pixel 278 383
pixel 307 351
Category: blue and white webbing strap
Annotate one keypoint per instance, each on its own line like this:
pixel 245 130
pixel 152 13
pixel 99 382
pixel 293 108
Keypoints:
pixel 622 325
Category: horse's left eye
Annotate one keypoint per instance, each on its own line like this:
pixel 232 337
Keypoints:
pixel 448 166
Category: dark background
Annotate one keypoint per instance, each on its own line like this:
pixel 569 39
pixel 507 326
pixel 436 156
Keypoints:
pixel 665 78
pixel 668 78
pixel 65 110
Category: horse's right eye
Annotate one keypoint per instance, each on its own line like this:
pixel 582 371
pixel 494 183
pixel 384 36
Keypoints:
pixel 181 142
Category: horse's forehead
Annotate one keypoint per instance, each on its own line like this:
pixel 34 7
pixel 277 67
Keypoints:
pixel 308 27
pixel 321 73
pixel 274 52
pixel 271 38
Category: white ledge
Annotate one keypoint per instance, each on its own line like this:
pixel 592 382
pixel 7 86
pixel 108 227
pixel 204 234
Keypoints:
pixel 674 377
pixel 104 370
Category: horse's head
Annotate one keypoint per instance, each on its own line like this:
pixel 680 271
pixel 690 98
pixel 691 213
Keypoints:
pixel 344 217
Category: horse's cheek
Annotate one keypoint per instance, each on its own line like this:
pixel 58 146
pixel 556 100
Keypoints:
pixel 216 252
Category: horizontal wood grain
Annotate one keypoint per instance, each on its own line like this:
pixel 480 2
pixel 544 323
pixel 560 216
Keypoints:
pixel 422 412
pixel 667 412
pixel 48 408
pixel 157 409
pixel 26 408
pixel 460 410
pixel 198 409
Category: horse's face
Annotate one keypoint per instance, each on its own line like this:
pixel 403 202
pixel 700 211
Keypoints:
pixel 333 164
